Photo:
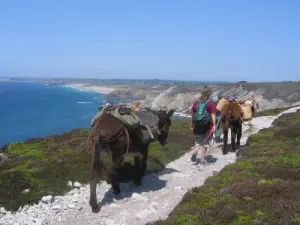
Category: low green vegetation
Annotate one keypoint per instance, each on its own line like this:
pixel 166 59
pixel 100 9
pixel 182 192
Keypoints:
pixel 271 112
pixel 262 187
pixel 42 166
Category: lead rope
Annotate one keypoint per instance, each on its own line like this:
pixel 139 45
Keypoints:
pixel 209 134
pixel 128 140
pixel 214 141
pixel 149 131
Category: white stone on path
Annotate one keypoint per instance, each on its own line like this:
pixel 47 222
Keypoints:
pixel 71 206
pixel 113 205
pixel 139 197
pixel 70 184
pixel 47 199
pixel 56 207
pixel 180 175
pixel 110 222
pixel 144 213
pixel 154 205
pixel 75 198
pixel 178 188
pixel 74 191
pixel 2 210
pixel 77 185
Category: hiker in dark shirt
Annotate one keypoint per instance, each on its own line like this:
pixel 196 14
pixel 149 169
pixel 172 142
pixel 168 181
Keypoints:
pixel 203 122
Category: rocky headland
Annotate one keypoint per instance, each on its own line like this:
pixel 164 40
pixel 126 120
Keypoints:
pixel 181 96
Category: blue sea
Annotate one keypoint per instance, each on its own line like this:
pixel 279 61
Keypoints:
pixel 29 110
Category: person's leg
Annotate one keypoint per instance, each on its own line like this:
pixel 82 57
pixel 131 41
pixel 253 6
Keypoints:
pixel 205 147
pixel 199 139
pixel 203 153
pixel 195 153
pixel 203 143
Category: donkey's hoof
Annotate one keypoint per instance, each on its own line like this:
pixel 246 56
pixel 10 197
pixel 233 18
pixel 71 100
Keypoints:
pixel 95 206
pixel 95 209
pixel 116 190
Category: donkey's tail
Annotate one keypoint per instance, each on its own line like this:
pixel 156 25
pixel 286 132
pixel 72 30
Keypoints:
pixel 99 157
pixel 97 173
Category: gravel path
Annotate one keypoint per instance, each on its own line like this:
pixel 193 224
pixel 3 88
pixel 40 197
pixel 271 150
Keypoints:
pixel 154 200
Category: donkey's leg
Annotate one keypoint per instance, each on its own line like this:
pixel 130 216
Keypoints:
pixel 93 186
pixel 118 150
pixel 137 161
pixel 113 173
pixel 141 165
pixel 137 165
pixel 233 137
pixel 144 161
pixel 225 140
pixel 239 133
pixel 97 167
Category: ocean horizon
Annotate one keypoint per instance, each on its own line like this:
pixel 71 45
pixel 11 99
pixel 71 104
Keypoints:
pixel 33 110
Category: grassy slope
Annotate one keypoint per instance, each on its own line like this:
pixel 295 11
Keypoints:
pixel 45 165
pixel 263 187
pixel 271 112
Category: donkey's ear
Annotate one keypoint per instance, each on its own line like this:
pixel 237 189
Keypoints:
pixel 171 113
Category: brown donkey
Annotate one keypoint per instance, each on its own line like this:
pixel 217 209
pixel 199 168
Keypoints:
pixel 109 134
pixel 232 119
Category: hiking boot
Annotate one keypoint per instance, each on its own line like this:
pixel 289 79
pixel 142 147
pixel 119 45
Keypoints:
pixel 200 167
pixel 194 157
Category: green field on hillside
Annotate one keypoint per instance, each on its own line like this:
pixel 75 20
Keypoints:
pixel 271 112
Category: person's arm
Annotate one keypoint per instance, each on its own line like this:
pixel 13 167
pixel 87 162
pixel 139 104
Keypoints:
pixel 213 118
pixel 194 108
pixel 212 108
pixel 257 105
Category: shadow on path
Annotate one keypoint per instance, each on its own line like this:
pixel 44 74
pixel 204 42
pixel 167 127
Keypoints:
pixel 210 159
pixel 150 182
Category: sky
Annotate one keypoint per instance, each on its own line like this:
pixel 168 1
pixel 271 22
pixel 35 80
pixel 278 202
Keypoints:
pixel 232 40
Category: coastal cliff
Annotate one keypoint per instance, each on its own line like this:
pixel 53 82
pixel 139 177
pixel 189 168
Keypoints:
pixel 181 97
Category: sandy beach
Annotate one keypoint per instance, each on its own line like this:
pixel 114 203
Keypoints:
pixel 86 87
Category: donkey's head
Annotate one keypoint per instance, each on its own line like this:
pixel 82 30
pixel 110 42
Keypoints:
pixel 233 113
pixel 164 124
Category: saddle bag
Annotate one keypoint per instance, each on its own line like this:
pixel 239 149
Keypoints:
pixel 147 130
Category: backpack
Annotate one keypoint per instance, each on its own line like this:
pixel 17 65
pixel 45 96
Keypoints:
pixel 202 118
